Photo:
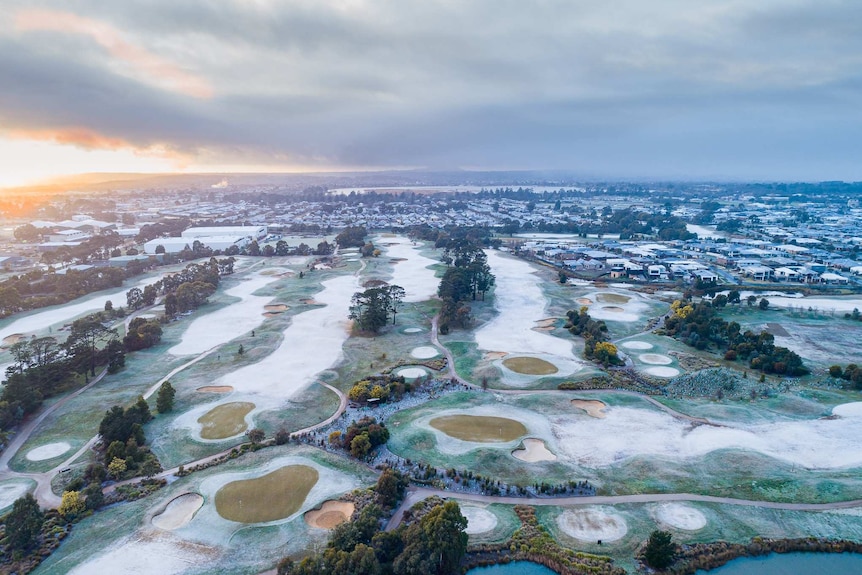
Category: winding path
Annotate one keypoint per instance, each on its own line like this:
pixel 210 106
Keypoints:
pixel 415 495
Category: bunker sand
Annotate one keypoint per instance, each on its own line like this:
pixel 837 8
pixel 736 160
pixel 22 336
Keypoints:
pixel 331 514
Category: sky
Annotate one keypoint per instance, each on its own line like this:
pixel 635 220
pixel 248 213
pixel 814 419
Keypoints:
pixel 670 89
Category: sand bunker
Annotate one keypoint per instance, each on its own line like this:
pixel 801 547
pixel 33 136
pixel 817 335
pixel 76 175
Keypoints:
pixel 48 451
pixel 612 298
pixel 655 359
pixel 12 490
pixel 225 420
pixel 662 371
pixel 479 428
pixel 11 340
pixel 478 520
pixel 271 497
pixel 309 301
pixel 848 409
pixel 534 450
pixel 178 512
pixel 413 330
pixel 592 525
pixel 411 372
pixel 593 407
pixel 680 516
pixel 424 352
pixel 584 301
pixel 530 365
pixel 271 313
pixel 495 355
pixel 636 345
pixel 613 309
pixel 276 307
pixel 215 389
pixel 548 322
pixel 330 514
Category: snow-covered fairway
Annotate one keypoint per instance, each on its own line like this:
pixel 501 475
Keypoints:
pixel 311 344
pixel 229 322
pixel 520 303
pixel 628 432
pixel 58 315
pixel 412 272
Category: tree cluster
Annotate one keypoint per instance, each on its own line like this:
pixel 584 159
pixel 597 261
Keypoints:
pixel 379 388
pixel 434 544
pixel 351 237
pixel 852 374
pixel 39 288
pixel 699 326
pixel 124 451
pixel 372 308
pixel 595 334
pixel 467 275
pixel 361 437
pixel 42 367
pixel 142 334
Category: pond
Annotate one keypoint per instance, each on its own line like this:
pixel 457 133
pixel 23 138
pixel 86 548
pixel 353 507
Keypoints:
pixel 792 564
pixel 514 568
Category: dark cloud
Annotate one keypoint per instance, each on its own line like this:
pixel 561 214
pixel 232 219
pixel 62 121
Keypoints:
pixel 658 89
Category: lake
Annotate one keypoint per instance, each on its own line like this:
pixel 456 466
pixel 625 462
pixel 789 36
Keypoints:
pixel 514 568
pixel 792 564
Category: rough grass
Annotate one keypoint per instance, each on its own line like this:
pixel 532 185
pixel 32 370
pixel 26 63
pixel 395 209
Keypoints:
pixel 225 420
pixel 271 497
pixel 479 428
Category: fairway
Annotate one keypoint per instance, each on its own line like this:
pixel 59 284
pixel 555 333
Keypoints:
pixel 225 420
pixel 271 497
pixel 530 365
pixel 479 428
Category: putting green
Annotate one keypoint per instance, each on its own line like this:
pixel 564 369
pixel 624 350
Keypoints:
pixel 270 497
pixel 530 365
pixel 612 298
pixel 479 428
pixel 225 420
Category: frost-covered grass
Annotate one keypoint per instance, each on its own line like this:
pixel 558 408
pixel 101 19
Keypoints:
pixel 732 523
pixel 506 524
pixel 224 543
pixel 637 448
pixel 822 337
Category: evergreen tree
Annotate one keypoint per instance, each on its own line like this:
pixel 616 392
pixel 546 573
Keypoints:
pixel 24 523
pixel 165 397
pixel 660 549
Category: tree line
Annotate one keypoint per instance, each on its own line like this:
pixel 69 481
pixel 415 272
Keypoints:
pixel 467 276
pixel 700 326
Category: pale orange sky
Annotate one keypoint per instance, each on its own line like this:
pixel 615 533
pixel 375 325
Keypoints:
pixel 665 89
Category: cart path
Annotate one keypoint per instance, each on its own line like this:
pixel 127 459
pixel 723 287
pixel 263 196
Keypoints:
pixel 417 494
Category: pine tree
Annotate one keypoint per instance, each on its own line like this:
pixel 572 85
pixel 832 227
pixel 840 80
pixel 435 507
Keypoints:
pixel 165 397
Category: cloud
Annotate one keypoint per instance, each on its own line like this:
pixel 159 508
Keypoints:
pixel 146 66
pixel 673 88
